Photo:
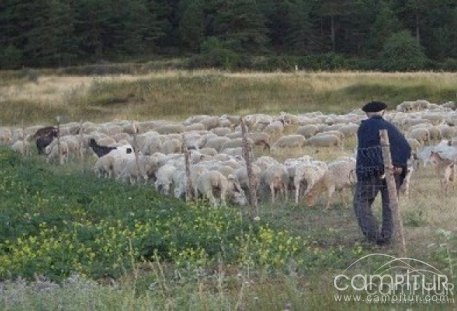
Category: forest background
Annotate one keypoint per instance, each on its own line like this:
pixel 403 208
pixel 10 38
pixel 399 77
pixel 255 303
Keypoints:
pixel 394 35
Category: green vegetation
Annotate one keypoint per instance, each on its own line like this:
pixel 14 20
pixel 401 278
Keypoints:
pixel 71 241
pixel 320 35
pixel 84 241
pixel 54 224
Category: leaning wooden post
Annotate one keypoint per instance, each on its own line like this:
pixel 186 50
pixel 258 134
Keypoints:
pixel 136 151
pixel 252 195
pixel 189 191
pixel 58 140
pixel 81 142
pixel 399 238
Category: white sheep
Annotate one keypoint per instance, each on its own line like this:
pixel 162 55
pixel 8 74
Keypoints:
pixel 216 142
pixel 275 128
pixel 52 153
pixel 421 134
pixel 446 131
pixel 23 147
pixel 221 131
pixel 150 143
pixel 409 106
pixel 103 167
pixel 164 177
pixel 208 151
pixel 289 141
pixel 171 146
pixel 6 136
pixel 445 168
pixel 73 143
pixel 210 182
pixel 327 140
pixel 140 168
pixel 307 130
pixel 235 143
pixel 349 130
pixel 308 172
pixel 406 184
pixel 414 144
pixel 276 178
pixel 235 135
pixel 237 151
pixel 265 161
pixel 229 121
pixel 338 176
pixel 336 133
pixel 170 128
pixel 242 175
pixel 179 180
pixel 195 127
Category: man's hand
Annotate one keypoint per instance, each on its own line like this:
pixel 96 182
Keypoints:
pixel 397 170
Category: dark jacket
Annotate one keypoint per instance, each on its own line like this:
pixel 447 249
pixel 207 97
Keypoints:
pixel 369 153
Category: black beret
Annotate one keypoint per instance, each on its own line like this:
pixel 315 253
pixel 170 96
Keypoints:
pixel 374 106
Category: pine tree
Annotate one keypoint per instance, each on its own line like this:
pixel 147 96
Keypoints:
pixel 385 24
pixel 402 52
pixel 240 25
pixel 299 26
pixel 92 17
pixel 191 25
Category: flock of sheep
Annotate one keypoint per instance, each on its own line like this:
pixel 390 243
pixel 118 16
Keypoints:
pixel 153 151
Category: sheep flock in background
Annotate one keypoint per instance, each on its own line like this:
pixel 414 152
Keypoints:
pixel 294 157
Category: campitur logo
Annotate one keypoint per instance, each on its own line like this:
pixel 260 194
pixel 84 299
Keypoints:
pixel 394 280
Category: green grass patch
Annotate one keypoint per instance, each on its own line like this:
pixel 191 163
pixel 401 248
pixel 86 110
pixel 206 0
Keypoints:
pixel 62 228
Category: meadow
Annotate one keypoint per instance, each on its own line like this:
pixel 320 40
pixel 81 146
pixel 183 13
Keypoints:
pixel 71 241
pixel 38 96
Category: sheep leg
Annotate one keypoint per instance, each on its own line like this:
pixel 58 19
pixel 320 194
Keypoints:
pixel 272 189
pixel 157 186
pixel 285 192
pixel 297 191
pixel 223 196
pixel 211 198
pixel 330 192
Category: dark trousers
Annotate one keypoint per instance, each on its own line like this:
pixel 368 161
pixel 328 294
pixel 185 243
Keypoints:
pixel 366 191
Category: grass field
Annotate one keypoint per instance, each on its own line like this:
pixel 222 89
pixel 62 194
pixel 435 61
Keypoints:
pixel 94 240
pixel 180 94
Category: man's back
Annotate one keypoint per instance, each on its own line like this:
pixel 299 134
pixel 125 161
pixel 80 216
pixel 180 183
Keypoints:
pixel 369 154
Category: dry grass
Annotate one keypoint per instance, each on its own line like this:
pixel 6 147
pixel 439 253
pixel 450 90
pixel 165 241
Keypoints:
pixel 178 94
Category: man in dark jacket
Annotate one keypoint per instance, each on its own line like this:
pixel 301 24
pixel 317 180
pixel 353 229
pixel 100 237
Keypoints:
pixel 370 172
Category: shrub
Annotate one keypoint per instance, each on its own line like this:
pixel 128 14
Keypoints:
pixel 215 54
pixel 402 52
pixel 10 58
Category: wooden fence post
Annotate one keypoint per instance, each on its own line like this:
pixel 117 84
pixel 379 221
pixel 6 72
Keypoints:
pixel 246 148
pixel 189 189
pixel 81 143
pixel 58 140
pixel 399 238
pixel 135 150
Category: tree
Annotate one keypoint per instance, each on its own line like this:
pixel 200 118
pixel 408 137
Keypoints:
pixel 385 24
pixel 92 17
pixel 191 25
pixel 401 52
pixel 166 22
pixel 240 25
pixel 10 57
pixel 334 9
pixel 127 27
pixel 299 28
